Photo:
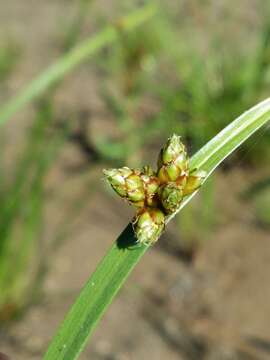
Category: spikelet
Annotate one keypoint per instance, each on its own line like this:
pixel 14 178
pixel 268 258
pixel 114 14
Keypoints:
pixel 173 160
pixel 171 196
pixel 138 187
pixel 194 181
pixel 148 225
pixel 156 195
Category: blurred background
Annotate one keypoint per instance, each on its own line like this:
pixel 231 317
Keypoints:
pixel 202 292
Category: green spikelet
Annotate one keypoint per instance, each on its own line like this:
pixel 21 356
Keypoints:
pixel 127 183
pixel 173 161
pixel 148 225
pixel 171 196
pixel 137 186
pixel 156 195
pixel 151 186
pixel 194 181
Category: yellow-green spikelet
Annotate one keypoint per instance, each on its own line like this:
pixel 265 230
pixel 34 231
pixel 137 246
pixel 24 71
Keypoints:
pixel 171 196
pixel 148 225
pixel 173 160
pixel 194 181
pixel 137 186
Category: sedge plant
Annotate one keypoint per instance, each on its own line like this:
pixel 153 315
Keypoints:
pixel 125 253
pixel 183 99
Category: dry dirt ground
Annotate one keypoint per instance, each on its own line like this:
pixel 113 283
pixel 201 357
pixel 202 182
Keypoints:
pixel 215 307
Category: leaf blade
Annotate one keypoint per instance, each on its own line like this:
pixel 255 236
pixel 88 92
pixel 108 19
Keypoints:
pixel 232 136
pixel 99 290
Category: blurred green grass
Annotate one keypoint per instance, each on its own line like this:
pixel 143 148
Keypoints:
pixel 153 81
pixel 195 93
pixel 9 57
pixel 21 212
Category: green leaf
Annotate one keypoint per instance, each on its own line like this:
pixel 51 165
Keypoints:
pixel 73 58
pixel 124 255
pixel 96 296
pixel 228 140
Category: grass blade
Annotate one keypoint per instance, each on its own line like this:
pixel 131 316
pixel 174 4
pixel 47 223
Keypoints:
pixel 228 140
pixel 95 297
pixel 73 58
pixel 123 256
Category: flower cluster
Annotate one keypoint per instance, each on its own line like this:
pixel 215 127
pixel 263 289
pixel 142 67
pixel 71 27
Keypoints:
pixel 156 194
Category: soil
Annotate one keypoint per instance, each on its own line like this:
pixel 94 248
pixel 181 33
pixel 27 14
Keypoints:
pixel 213 305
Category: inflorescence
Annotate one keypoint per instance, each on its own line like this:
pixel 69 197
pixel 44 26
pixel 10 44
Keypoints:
pixel 156 194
